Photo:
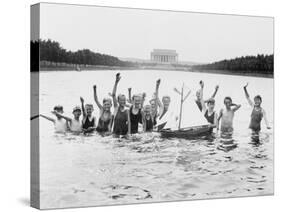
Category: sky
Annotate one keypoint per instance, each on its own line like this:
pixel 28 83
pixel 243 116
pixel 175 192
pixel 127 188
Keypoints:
pixel 134 33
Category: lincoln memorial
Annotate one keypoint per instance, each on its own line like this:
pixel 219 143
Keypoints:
pixel 164 56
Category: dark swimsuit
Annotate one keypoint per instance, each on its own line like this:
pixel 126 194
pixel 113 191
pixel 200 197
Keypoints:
pixel 149 124
pixel 120 122
pixel 135 120
pixel 87 123
pixel 210 119
pixel 103 125
pixel 256 118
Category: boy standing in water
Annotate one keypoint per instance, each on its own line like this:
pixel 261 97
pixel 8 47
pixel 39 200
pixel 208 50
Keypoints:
pixel 59 123
pixel 88 121
pixel 75 124
pixel 258 113
pixel 106 117
pixel 122 124
pixel 209 112
pixel 198 96
pixel 226 115
pixel 148 120
pixel 136 113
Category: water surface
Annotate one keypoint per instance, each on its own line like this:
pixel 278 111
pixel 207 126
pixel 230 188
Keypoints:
pixel 94 170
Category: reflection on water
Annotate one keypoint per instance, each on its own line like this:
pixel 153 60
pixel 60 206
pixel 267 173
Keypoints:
pixel 78 170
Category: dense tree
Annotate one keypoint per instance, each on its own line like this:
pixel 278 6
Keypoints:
pixel 262 64
pixel 52 51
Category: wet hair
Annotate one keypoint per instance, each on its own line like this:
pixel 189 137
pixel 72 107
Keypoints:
pixel 89 106
pixel 258 97
pixel 120 96
pixel 106 100
pixel 211 101
pixel 166 97
pixel 227 98
pixel 147 106
pixel 58 107
pixel 137 95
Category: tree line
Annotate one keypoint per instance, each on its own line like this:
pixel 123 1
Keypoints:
pixel 53 52
pixel 261 64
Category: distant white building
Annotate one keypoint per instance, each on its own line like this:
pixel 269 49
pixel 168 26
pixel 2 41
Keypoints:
pixel 164 56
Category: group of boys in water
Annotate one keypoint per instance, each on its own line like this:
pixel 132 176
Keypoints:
pixel 129 114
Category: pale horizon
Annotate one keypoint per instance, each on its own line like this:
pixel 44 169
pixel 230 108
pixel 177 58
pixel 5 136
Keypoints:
pixel 134 33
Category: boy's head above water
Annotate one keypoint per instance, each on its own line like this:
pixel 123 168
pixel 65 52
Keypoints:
pixel 107 103
pixel 58 108
pixel 76 112
pixel 211 103
pixel 166 101
pixel 227 101
pixel 147 109
pixel 121 100
pixel 89 109
pixel 137 100
pixel 257 100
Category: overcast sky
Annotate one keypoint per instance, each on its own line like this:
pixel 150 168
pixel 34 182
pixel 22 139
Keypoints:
pixel 135 33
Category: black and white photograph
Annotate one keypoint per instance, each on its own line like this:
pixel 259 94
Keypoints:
pixel 139 105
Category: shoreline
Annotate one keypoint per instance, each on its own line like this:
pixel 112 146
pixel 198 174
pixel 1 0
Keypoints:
pixel 161 68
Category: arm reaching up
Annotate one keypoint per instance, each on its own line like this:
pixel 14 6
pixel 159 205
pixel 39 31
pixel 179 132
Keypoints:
pixel 130 95
pixel 201 97
pixel 96 97
pixel 215 92
pixel 115 103
pixel 248 96
pixel 82 106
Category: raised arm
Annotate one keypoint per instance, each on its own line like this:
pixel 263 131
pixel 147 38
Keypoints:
pixel 62 116
pixel 130 95
pixel 201 97
pixel 143 99
pixel 96 97
pixel 157 100
pixel 48 118
pixel 215 92
pixel 82 106
pixel 248 96
pixel 265 119
pixel 129 122
pixel 115 103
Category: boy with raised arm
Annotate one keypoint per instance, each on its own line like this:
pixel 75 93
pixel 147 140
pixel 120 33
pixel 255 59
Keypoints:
pixel 209 111
pixel 136 113
pixel 60 124
pixel 198 96
pixel 122 124
pixel 106 117
pixel 226 115
pixel 75 124
pixel 88 121
pixel 258 113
